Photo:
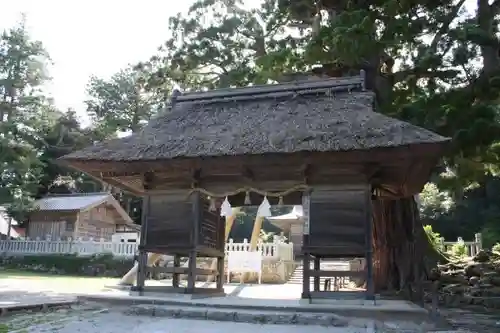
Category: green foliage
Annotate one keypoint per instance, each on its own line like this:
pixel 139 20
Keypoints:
pixel 432 63
pixel 476 209
pixel 122 103
pixel 458 250
pixel 22 107
pixel 434 203
pixel 265 236
pixel 434 237
pixel 33 133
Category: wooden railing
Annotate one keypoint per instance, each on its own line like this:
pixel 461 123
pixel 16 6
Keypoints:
pixel 472 247
pixel 277 249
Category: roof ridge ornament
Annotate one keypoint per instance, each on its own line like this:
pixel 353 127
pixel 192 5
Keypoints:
pixel 270 90
pixel 176 92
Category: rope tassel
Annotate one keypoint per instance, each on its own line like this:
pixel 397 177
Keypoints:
pixel 248 202
pixel 212 207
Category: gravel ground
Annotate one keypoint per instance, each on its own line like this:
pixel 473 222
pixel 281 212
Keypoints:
pixel 97 321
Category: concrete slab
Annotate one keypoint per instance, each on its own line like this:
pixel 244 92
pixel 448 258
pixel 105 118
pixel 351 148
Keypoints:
pixel 282 298
pixel 379 323
pixel 14 299
pixel 41 303
pixel 265 304
pixel 254 291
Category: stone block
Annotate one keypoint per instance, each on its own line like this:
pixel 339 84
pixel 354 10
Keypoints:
pixel 220 315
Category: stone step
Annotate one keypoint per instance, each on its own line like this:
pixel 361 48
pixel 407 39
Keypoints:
pixel 373 323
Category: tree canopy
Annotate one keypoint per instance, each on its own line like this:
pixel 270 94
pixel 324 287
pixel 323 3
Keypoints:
pixel 434 63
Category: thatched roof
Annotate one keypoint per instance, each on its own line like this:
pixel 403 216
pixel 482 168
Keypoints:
pixel 309 116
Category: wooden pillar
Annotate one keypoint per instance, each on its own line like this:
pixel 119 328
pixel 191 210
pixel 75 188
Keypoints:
pixel 306 276
pixel 306 261
pixel 317 266
pixel 196 221
pixel 191 279
pixel 370 292
pixel 175 276
pixel 220 276
pixel 143 256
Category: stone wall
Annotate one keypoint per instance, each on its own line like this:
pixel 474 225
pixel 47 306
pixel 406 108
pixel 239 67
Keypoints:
pixel 474 281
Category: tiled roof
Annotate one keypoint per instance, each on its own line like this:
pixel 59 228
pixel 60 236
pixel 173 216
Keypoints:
pixel 74 202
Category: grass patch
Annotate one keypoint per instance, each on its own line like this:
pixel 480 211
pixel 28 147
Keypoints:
pixel 28 275
pixel 68 265
pixel 44 282
pixel 14 273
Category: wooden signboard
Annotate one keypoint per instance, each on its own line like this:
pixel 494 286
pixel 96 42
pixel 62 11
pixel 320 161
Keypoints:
pixel 244 262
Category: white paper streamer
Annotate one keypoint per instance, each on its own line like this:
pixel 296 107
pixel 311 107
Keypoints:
pixel 225 208
pixel 264 209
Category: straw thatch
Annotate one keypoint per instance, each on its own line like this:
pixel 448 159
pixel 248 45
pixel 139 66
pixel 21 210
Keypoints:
pixel 322 116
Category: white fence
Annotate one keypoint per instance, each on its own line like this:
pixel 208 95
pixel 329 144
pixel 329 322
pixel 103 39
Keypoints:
pixel 83 248
pixel 472 247
pixel 275 250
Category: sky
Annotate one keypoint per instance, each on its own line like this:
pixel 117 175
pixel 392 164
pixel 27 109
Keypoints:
pixel 91 37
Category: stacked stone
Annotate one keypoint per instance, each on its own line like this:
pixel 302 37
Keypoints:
pixel 475 281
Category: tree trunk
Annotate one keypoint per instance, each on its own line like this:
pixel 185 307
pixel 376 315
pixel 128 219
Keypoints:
pixel 402 254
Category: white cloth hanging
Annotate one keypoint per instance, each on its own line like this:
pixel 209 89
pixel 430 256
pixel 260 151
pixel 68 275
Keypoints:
pixel 264 209
pixel 225 208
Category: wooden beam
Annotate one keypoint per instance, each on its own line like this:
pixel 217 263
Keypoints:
pixel 354 274
pixel 196 178
pixel 372 171
pixel 148 180
pixel 182 270
pixel 378 155
pixel 248 174
pixel 307 173
pixel 114 173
